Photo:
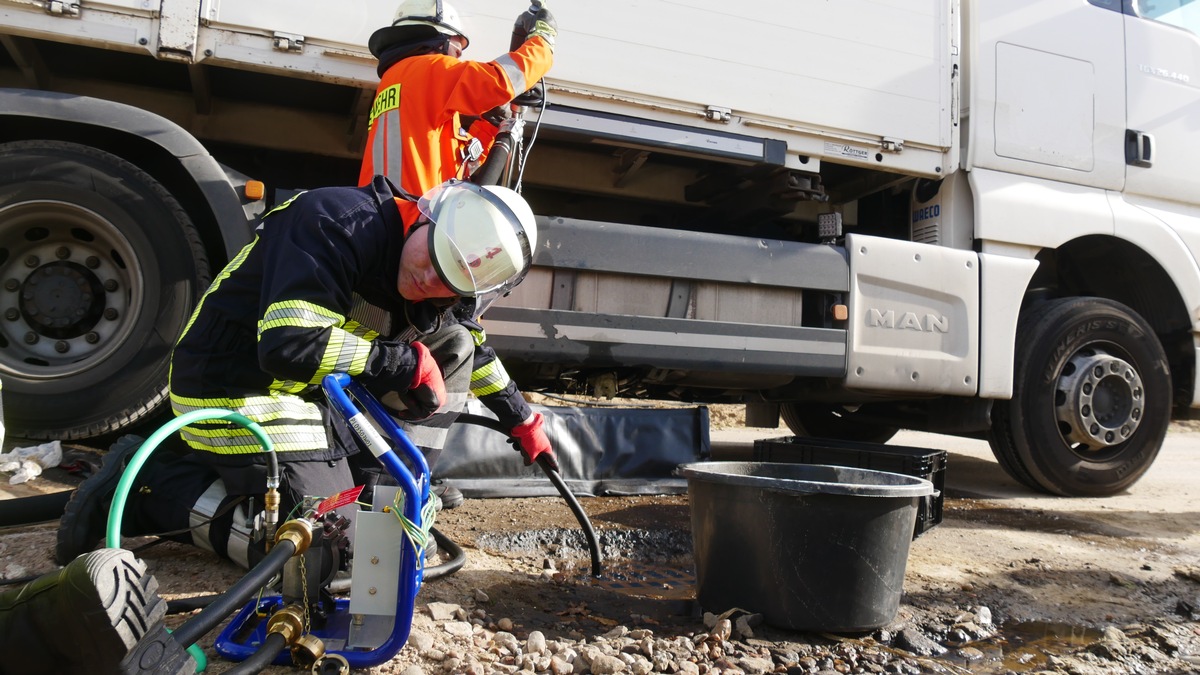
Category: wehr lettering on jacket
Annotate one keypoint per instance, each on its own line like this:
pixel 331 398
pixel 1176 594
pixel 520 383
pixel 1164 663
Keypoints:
pixel 388 99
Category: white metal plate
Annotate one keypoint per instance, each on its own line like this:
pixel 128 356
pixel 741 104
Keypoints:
pixel 914 317
pixel 868 68
pixel 345 22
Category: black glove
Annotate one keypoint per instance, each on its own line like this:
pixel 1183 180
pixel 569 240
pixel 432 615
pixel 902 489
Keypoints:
pixel 497 115
pixel 535 21
pixel 415 389
pixel 534 98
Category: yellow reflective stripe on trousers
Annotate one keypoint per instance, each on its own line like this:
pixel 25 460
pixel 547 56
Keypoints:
pixel 489 379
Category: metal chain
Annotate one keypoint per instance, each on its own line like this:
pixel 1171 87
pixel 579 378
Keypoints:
pixel 304 592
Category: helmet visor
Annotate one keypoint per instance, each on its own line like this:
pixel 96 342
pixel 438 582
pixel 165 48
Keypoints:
pixel 476 242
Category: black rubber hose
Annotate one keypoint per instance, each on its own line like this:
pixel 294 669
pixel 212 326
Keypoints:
pixel 458 559
pixel 584 522
pixel 262 657
pixel 559 484
pixel 36 509
pixel 232 599
pixel 497 161
pixel 181 605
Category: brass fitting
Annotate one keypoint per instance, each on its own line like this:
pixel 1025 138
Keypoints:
pixel 271 519
pixel 307 650
pixel 288 622
pixel 298 531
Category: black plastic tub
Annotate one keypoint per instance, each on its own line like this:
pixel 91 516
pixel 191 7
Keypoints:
pixel 924 463
pixel 815 548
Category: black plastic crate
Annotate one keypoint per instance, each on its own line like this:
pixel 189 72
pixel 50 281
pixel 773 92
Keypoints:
pixel 920 462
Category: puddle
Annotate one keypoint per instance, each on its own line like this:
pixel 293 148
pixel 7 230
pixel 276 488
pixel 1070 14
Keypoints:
pixel 1026 647
pixel 1029 643
pixel 646 580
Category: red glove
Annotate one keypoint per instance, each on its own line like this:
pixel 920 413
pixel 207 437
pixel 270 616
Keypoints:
pixel 532 442
pixel 427 391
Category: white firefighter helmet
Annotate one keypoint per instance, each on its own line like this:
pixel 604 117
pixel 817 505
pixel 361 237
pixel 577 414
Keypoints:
pixel 481 238
pixel 418 20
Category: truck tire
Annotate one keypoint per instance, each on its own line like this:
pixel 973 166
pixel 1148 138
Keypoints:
pixel 830 420
pixel 1091 399
pixel 100 268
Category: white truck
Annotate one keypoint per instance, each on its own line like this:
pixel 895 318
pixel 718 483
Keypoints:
pixel 973 217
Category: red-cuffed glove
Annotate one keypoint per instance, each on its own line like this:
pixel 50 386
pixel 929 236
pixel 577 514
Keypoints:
pixel 427 392
pixel 532 441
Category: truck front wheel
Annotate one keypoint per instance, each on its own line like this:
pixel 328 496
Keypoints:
pixel 99 270
pixel 1091 399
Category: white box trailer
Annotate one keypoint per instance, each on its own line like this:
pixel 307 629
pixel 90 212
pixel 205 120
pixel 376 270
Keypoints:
pixel 965 216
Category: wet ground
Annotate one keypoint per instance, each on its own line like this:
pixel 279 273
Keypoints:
pixel 1008 582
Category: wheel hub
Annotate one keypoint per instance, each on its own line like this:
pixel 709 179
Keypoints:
pixel 1100 400
pixel 67 288
pixel 62 300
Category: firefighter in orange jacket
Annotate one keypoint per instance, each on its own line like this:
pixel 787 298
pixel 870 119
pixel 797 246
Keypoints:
pixel 433 119
pixel 417 137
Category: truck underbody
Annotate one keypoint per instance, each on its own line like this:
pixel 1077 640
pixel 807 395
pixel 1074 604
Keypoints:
pixel 862 241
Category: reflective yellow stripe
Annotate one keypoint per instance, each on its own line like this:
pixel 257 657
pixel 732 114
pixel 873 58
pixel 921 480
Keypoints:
pixel 258 408
pixel 478 336
pixel 291 423
pixel 346 349
pixel 345 353
pixel 284 205
pixel 297 314
pixel 288 386
pixel 489 379
pixel 229 269
pixel 356 328
pixel 283 439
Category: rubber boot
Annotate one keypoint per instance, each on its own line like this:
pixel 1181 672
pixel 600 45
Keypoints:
pixel 99 614
pixel 85 517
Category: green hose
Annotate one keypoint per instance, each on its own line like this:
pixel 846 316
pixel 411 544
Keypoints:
pixel 116 510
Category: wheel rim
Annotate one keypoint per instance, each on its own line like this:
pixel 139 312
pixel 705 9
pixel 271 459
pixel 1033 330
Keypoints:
pixel 69 289
pixel 1099 400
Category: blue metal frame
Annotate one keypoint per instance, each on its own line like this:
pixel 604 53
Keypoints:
pixel 416 492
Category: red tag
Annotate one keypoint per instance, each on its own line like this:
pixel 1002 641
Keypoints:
pixel 339 500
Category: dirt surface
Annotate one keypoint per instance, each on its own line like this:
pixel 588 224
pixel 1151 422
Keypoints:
pixel 1009 581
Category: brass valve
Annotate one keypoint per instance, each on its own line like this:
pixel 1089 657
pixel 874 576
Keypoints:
pixel 298 531
pixel 288 622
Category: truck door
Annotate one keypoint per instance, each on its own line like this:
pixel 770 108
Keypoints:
pixel 1162 42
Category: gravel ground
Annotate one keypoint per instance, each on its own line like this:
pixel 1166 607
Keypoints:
pixel 1009 582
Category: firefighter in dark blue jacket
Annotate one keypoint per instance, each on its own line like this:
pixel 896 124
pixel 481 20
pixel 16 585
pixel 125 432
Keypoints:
pixel 277 320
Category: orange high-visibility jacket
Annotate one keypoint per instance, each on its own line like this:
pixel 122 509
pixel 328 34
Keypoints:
pixel 415 136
